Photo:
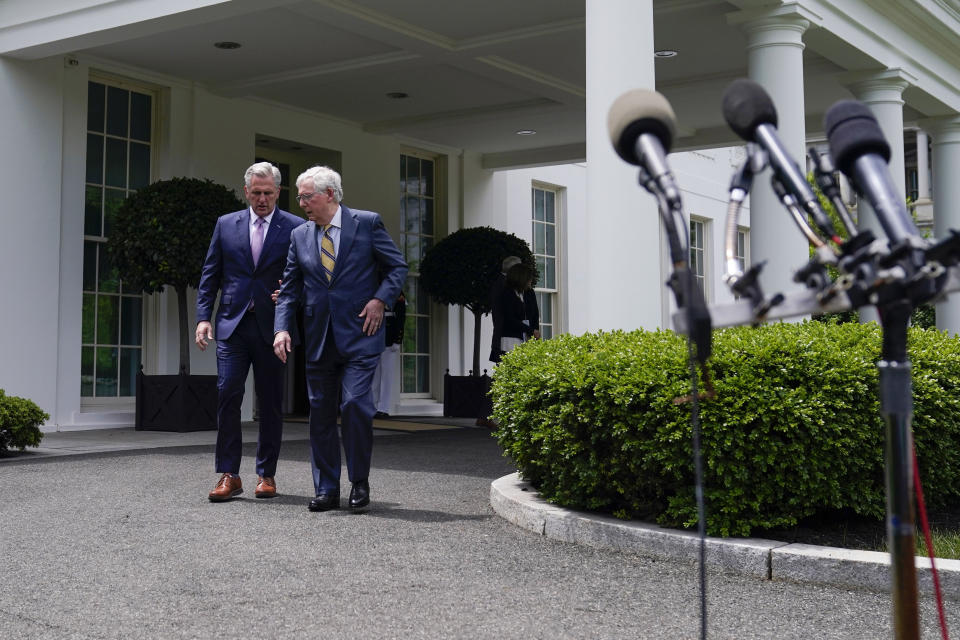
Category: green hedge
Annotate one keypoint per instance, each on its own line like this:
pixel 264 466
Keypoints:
pixel 20 421
pixel 795 427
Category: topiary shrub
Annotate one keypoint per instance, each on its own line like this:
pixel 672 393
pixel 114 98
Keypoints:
pixel 20 421
pixel 795 428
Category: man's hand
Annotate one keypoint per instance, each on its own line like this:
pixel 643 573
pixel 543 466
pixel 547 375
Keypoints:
pixel 204 332
pixel 372 315
pixel 282 345
pixel 276 294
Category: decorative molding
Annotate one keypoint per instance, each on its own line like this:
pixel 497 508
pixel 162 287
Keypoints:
pixel 540 157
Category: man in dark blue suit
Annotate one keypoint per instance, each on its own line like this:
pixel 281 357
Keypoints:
pixel 342 268
pixel 244 263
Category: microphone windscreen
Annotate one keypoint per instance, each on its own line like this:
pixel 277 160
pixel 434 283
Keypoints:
pixel 746 105
pixel 853 131
pixel 635 113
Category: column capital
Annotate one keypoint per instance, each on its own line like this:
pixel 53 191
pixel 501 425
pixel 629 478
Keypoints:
pixel 942 130
pixel 876 87
pixel 784 25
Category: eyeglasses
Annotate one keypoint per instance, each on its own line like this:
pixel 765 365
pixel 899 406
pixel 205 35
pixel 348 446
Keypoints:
pixel 305 197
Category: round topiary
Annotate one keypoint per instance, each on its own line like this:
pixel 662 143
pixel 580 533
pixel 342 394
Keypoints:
pixel 461 268
pixel 20 421
pixel 160 237
pixel 794 429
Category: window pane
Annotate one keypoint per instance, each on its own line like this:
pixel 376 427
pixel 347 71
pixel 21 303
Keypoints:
pixel 423 374
pixel 538 205
pixel 117 112
pixel 107 274
pixel 129 365
pixel 545 303
pixel 413 175
pixel 139 165
pixel 412 252
pixel 403 174
pixel 114 198
pixel 90 266
pixel 86 372
pixel 541 266
pixel 426 218
pixel 116 165
pixel 88 323
pixel 411 293
pixel 140 116
pixel 94 158
pixel 550 273
pixel 107 321
pixel 412 222
pixel 546 332
pixel 426 181
pixel 96 96
pixel 423 335
pixel 548 206
pixel 403 214
pixel 130 320
pixel 539 238
pixel 551 241
pixel 409 374
pixel 410 334
pixel 93 212
pixel 106 371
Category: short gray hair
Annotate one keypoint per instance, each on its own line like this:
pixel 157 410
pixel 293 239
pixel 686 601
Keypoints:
pixel 262 170
pixel 322 178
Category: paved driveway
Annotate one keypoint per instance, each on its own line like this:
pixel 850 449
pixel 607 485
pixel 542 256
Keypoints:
pixel 126 545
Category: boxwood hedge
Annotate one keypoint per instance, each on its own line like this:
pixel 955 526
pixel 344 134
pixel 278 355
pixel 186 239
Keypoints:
pixel 20 421
pixel 794 429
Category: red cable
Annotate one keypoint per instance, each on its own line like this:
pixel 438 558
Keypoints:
pixel 922 510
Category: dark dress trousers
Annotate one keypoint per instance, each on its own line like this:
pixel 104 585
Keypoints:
pixel 341 359
pixel 245 336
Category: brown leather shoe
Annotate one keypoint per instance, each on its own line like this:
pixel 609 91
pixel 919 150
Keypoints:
pixel 228 487
pixel 266 488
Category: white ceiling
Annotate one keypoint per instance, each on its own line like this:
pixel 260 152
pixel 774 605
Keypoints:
pixel 475 72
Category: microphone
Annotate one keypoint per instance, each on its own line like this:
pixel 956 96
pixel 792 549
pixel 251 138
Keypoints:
pixel 641 125
pixel 749 111
pixel 861 152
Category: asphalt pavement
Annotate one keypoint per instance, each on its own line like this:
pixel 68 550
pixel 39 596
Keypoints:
pixel 109 534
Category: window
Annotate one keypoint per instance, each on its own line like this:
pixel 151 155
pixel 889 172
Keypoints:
pixel 417 202
pixel 697 257
pixel 742 248
pixel 119 149
pixel 545 254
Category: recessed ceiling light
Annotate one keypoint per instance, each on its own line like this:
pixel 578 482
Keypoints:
pixel 665 53
pixel 526 132
pixel 226 44
pixel 397 95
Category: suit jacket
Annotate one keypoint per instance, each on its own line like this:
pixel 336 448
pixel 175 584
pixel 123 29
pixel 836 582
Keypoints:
pixel 229 268
pixel 368 265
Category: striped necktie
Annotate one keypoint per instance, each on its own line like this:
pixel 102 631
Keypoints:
pixel 327 258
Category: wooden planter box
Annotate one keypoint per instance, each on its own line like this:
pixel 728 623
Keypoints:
pixel 466 396
pixel 176 403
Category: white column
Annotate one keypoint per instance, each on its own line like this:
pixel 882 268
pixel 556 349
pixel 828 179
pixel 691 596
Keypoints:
pixel 775 61
pixel 614 247
pixel 883 93
pixel 945 134
pixel 923 207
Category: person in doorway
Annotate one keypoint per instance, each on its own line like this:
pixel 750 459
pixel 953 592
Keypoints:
pixel 496 311
pixel 515 324
pixel 531 311
pixel 342 267
pixel 245 260
pixel 385 380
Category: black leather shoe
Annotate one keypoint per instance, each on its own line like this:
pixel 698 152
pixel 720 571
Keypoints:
pixel 360 494
pixel 325 502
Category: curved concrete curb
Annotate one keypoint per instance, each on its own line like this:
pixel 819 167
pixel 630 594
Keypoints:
pixel 518 502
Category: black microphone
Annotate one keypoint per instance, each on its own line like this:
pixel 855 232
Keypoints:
pixel 641 125
pixel 861 152
pixel 749 111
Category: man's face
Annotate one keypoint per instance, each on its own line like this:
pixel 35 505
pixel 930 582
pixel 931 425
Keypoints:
pixel 262 195
pixel 318 205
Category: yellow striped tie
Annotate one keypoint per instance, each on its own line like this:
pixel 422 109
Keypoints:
pixel 327 258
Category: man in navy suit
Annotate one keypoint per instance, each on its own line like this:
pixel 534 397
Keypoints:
pixel 342 268
pixel 244 263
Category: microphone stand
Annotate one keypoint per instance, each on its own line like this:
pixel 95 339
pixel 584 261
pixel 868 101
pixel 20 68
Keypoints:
pixel 896 276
